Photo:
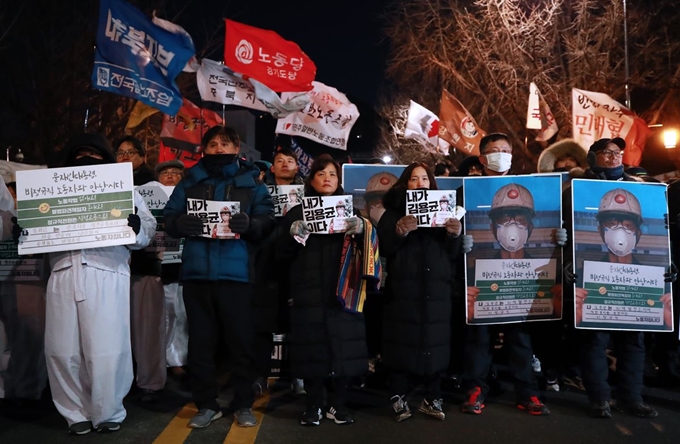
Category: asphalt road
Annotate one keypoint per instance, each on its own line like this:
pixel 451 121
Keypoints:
pixel 165 422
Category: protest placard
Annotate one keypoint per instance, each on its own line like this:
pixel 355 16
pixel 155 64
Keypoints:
pixel 621 252
pixel 327 214
pixel 513 268
pixel 62 209
pixel 156 197
pixel 285 197
pixel 430 207
pixel 15 268
pixel 215 216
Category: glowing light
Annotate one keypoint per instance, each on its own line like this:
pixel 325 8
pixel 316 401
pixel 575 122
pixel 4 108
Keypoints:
pixel 387 159
pixel 670 138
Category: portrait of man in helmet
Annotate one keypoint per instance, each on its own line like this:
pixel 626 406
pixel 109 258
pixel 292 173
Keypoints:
pixel 512 269
pixel 621 251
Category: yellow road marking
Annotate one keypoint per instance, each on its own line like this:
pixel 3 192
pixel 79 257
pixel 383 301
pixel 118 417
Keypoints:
pixel 177 431
pixel 248 435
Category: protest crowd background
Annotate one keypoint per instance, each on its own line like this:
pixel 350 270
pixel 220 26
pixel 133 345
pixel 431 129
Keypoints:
pixel 202 253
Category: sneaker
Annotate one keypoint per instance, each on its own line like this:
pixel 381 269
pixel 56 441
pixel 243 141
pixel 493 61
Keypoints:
pixel 108 427
pixel 552 385
pixel 475 402
pixel 260 385
pixel 432 408
pixel 311 417
pixel 245 418
pixel 341 416
pixel 533 406
pixel 600 409
pixel 535 364
pixel 298 387
pixel 639 409
pixel 203 418
pixel 150 396
pixel 402 411
pixel 80 428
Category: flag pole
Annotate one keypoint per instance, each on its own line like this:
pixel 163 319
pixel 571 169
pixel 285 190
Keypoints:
pixel 625 46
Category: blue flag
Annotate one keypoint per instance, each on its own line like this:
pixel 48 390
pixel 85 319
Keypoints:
pixel 305 161
pixel 138 59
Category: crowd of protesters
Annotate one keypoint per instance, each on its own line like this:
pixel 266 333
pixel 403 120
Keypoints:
pixel 103 308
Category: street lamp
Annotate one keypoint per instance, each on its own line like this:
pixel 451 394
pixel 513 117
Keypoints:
pixel 387 159
pixel 670 138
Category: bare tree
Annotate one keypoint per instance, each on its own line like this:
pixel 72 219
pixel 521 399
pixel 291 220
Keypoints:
pixel 487 52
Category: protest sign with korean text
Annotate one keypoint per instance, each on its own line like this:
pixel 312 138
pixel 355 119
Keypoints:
pixel 514 266
pixel 431 207
pixel 215 216
pixel 15 268
pixel 156 197
pixel 74 208
pixel 328 119
pixel 285 197
pixel 138 59
pixel 621 253
pixel 327 214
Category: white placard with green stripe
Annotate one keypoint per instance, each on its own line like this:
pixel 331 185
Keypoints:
pixel 15 269
pixel 623 296
pixel 514 290
pixel 62 209
pixel 156 197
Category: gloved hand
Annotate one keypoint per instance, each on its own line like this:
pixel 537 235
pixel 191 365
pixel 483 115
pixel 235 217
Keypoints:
pixel 560 236
pixel 468 242
pixel 239 223
pixel 135 223
pixel 299 228
pixel 672 274
pixel 17 231
pixel 354 225
pixel 189 225
pixel 569 275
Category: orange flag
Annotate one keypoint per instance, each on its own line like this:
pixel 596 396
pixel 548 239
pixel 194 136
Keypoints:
pixel 457 126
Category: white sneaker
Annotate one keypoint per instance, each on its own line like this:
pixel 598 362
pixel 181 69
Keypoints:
pixel 536 364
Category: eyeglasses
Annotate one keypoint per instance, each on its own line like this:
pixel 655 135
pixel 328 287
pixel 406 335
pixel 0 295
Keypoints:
pixel 169 173
pixel 509 218
pixel 128 153
pixel 611 154
pixel 614 223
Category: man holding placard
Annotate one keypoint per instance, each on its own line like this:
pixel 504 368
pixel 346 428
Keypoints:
pixel 218 275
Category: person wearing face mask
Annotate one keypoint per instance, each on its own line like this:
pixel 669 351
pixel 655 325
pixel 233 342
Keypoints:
pixel 417 304
pixel 218 274
pixel 619 220
pixel 328 342
pixel 511 222
pixel 495 154
pixel 87 333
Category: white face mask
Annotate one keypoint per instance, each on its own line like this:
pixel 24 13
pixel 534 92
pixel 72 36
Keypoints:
pixel 499 162
pixel 619 240
pixel 512 237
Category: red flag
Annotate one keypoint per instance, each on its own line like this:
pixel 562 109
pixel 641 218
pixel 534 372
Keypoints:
pixel 268 58
pixel 181 134
pixel 457 126
pixel 635 142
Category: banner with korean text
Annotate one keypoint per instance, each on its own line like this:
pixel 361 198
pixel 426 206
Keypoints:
pixel 156 197
pixel 136 58
pixel 327 214
pixel 539 116
pixel 215 216
pixel 514 269
pixel 285 197
pixel 457 126
pixel 621 253
pixel 62 209
pixel 268 58
pixel 596 116
pixel 327 120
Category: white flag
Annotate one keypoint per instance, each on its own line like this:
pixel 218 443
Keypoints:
pixel 217 83
pixel 192 64
pixel 328 119
pixel 539 116
pixel 423 126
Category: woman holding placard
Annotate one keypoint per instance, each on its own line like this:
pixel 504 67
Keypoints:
pixel 417 311
pixel 328 343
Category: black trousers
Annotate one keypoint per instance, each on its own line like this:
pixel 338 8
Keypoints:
pixel 209 305
pixel 629 348
pixel 432 383
pixel 263 345
pixel 337 388
pixel 477 358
